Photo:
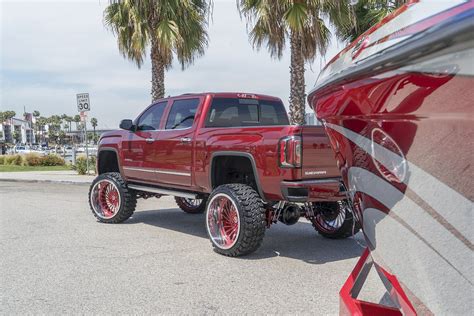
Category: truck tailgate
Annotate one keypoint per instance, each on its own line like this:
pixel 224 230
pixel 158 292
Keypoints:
pixel 318 157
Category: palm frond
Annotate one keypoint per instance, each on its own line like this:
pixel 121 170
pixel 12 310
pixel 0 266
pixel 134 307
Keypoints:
pixel 178 27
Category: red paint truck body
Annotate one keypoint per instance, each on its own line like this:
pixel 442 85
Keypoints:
pixel 233 155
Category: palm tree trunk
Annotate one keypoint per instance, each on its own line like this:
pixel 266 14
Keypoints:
pixel 157 73
pixel 297 83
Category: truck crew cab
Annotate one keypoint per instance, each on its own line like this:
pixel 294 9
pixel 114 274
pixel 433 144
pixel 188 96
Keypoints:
pixel 233 156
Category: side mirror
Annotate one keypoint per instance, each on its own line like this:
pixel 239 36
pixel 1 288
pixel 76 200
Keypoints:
pixel 127 125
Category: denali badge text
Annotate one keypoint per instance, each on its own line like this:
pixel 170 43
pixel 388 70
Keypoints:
pixel 312 173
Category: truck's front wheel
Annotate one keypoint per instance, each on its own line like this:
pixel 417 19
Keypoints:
pixel 235 219
pixel 110 199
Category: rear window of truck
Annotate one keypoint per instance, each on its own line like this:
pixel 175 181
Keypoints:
pixel 235 112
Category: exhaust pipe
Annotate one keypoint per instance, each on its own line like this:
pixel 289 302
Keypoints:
pixel 290 214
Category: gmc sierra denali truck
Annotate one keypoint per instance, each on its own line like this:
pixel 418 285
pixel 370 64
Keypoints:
pixel 233 156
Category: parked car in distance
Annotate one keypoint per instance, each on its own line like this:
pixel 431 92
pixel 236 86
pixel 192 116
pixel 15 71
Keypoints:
pixel 398 106
pixel 232 155
pixel 21 149
pixel 67 150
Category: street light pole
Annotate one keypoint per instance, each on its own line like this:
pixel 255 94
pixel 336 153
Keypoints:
pixel 86 141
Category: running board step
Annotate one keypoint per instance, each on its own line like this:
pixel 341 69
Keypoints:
pixel 163 191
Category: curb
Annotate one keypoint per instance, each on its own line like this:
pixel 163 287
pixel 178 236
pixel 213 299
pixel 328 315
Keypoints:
pixel 71 182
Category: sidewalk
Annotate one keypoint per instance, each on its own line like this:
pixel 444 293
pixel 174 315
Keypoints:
pixel 66 177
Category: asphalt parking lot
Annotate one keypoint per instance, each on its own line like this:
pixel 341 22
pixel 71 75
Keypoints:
pixel 56 258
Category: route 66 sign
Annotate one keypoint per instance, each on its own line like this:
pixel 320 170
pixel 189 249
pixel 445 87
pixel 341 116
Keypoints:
pixel 83 103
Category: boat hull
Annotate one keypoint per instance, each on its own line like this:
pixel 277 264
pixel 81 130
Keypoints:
pixel 403 137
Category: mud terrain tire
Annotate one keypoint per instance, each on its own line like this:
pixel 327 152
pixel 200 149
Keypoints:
pixel 189 207
pixel 329 223
pixel 246 209
pixel 110 200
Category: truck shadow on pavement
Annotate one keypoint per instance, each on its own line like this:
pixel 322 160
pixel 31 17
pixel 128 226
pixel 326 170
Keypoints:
pixel 299 241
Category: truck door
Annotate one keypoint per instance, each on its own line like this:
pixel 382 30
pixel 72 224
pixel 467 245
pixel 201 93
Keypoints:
pixel 175 143
pixel 138 149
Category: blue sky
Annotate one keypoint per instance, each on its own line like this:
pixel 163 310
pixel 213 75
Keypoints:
pixel 51 50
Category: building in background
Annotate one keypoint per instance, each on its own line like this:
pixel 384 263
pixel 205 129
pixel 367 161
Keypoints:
pixel 18 131
pixel 2 134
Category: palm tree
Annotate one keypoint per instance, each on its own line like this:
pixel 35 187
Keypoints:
pixel 77 120
pixel 36 114
pixel 303 23
pixel 94 125
pixel 54 128
pixel 41 122
pixel 367 13
pixel 16 137
pixel 169 27
pixel 8 115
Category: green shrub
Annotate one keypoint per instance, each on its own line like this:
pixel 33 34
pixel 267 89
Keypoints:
pixel 9 159
pixel 2 159
pixel 16 160
pixel 52 160
pixel 33 159
pixel 13 160
pixel 81 166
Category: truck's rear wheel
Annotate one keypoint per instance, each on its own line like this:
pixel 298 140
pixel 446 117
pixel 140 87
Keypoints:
pixel 191 206
pixel 334 220
pixel 235 219
pixel 110 199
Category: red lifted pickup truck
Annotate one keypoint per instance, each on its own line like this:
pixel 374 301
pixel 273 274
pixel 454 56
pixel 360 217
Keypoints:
pixel 232 155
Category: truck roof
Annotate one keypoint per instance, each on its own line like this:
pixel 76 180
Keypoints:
pixel 244 95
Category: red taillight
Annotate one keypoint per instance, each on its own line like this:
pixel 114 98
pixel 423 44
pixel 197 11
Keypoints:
pixel 290 152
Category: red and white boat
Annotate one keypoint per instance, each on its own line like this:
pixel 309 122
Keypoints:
pixel 398 106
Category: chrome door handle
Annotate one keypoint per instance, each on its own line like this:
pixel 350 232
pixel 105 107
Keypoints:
pixel 185 140
pixel 150 140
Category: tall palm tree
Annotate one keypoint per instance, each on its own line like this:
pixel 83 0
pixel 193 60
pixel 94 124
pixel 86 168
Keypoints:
pixel 168 27
pixel 304 24
pixel 36 114
pixel 77 120
pixel 54 127
pixel 367 13
pixel 94 125
pixel 41 122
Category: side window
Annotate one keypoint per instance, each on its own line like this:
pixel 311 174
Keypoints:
pixel 272 114
pixel 234 112
pixel 182 114
pixel 150 120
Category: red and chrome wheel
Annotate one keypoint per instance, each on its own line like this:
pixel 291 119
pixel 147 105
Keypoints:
pixel 191 206
pixel 334 219
pixel 223 221
pixel 235 219
pixel 105 199
pixel 110 199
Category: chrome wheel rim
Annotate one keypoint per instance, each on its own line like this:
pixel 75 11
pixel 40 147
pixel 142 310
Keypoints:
pixel 330 220
pixel 223 221
pixel 105 199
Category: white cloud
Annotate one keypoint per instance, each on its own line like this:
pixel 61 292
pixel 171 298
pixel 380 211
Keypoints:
pixel 52 50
